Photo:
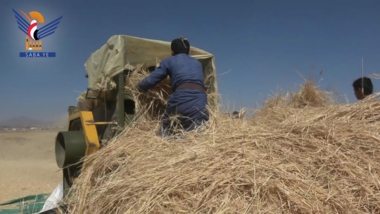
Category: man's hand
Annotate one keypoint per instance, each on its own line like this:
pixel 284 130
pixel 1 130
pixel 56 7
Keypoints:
pixel 139 89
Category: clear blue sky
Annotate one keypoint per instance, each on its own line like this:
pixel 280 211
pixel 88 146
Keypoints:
pixel 261 43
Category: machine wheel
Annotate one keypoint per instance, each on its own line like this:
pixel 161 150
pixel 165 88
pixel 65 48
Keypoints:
pixel 76 125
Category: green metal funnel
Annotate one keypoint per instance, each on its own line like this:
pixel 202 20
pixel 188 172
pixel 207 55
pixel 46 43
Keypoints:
pixel 70 147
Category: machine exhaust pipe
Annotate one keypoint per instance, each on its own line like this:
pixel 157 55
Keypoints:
pixel 70 148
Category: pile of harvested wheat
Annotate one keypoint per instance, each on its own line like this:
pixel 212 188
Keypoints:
pixel 150 105
pixel 297 155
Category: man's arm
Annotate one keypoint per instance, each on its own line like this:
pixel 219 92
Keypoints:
pixel 155 77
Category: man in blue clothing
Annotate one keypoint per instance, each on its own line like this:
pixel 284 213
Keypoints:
pixel 189 98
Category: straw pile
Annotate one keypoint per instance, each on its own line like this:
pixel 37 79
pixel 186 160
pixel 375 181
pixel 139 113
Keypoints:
pixel 297 155
pixel 149 105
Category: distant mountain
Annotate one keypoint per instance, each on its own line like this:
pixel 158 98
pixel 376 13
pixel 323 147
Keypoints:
pixel 23 122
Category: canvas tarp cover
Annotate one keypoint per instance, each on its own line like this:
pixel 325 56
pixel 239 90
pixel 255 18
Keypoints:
pixel 123 50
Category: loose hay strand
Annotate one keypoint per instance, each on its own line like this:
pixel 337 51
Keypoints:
pixel 300 153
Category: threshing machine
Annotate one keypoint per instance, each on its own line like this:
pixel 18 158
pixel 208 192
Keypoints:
pixel 100 115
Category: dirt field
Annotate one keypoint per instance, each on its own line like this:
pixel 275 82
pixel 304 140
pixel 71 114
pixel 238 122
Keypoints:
pixel 27 164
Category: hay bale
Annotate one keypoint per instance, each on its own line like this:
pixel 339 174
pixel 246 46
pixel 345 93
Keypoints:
pixel 309 160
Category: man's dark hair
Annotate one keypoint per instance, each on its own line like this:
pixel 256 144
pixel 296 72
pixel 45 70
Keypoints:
pixel 364 83
pixel 180 45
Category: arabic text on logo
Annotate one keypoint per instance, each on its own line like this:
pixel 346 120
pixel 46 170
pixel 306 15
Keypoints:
pixel 33 35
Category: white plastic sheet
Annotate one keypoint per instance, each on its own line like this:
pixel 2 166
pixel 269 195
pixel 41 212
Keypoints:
pixel 54 198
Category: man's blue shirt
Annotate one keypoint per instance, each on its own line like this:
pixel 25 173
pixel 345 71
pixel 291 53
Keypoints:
pixel 181 68
pixel 190 103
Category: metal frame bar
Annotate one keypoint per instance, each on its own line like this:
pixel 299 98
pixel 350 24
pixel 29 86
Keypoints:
pixel 90 132
pixel 120 100
pixel 92 90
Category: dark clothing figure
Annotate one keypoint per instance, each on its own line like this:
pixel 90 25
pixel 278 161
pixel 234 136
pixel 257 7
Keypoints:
pixel 363 87
pixel 189 103
pixel 181 68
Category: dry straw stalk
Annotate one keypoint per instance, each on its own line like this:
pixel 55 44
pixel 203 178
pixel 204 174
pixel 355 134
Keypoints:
pixel 299 154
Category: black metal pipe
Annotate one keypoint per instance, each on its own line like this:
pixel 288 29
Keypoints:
pixel 120 100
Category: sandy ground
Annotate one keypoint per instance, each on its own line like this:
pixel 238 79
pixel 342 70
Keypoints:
pixel 27 164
